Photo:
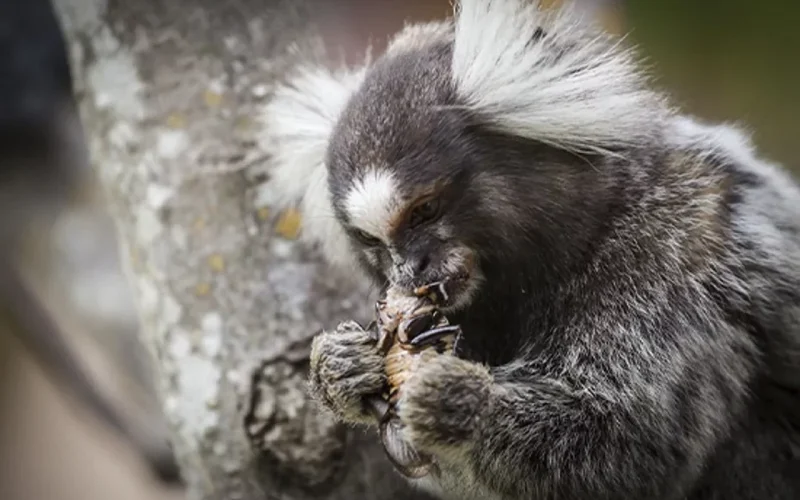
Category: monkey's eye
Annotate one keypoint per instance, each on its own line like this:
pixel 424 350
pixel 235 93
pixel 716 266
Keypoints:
pixel 366 239
pixel 425 211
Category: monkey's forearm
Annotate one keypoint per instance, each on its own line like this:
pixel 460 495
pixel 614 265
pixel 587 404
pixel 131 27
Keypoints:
pixel 543 437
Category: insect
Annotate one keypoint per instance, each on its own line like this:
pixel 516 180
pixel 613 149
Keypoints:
pixel 409 330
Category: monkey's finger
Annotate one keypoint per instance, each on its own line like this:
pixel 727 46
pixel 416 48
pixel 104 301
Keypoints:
pixel 347 340
pixel 349 326
pixel 352 390
pixel 332 352
pixel 335 346
pixel 337 369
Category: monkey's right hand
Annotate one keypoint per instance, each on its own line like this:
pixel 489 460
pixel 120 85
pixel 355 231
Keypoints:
pixel 346 370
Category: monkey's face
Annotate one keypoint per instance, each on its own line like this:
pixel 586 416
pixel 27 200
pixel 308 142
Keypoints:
pixel 412 238
pixel 405 225
pixel 399 178
pixel 426 193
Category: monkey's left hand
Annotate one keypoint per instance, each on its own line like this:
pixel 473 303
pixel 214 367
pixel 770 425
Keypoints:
pixel 441 403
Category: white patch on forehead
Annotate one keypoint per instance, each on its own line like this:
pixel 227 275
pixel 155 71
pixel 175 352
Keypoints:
pixel 373 202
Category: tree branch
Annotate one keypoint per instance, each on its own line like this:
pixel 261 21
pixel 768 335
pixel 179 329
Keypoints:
pixel 228 300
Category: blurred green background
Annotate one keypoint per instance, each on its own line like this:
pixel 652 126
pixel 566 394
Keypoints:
pixel 733 60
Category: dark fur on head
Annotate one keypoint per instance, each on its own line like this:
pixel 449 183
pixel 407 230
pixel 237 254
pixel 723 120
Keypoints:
pixel 498 196
pixel 632 313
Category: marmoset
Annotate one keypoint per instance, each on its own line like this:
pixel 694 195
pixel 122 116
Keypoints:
pixel 626 277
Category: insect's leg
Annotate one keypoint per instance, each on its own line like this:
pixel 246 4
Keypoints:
pixel 431 289
pixel 441 288
pixel 432 336
pixel 415 326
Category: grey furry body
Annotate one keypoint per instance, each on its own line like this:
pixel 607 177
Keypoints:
pixel 632 326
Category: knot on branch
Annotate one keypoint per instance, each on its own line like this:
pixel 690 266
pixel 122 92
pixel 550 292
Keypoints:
pixel 296 443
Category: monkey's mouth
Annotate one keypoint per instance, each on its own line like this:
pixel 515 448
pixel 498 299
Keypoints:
pixel 451 293
pixel 451 285
pixel 444 292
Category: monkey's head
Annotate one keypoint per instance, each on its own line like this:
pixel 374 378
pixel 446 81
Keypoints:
pixel 469 151
pixel 401 170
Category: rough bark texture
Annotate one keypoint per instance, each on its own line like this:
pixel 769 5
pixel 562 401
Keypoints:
pixel 169 94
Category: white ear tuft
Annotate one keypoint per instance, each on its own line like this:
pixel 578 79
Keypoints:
pixel 549 76
pixel 299 120
pixel 419 35
pixel 726 140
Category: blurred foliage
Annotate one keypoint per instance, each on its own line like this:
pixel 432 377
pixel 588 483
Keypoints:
pixel 733 60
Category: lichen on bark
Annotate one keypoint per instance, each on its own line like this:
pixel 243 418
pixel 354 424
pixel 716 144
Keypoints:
pixel 228 300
